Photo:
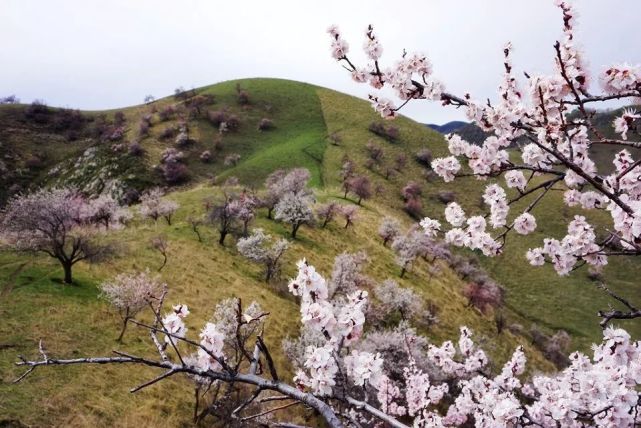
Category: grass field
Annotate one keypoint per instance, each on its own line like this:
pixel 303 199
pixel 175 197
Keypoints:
pixel 74 322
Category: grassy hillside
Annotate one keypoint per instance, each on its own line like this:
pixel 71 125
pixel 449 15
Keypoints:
pixel 315 128
pixel 74 322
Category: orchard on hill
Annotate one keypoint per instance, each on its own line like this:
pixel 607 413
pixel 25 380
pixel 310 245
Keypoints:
pixel 340 374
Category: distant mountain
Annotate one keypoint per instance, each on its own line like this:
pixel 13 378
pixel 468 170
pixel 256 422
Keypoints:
pixel 448 127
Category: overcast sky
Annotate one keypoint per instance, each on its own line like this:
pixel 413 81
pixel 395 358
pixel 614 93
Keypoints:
pixel 108 54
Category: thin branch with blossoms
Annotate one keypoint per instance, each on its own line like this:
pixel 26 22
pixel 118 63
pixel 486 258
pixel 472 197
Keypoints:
pixel 554 145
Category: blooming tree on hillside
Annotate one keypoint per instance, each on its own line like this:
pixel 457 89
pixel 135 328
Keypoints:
pixel 106 210
pixel 389 229
pixel 257 249
pixel 59 222
pixel 131 293
pixel 281 182
pixel 153 206
pixel 295 209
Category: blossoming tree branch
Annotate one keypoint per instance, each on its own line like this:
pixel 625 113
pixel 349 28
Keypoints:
pixel 338 375
pixel 532 119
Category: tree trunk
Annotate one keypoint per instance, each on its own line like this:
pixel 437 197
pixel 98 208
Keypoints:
pixel 221 240
pixel 269 212
pixel 295 227
pixel 403 270
pixel 164 261
pixel 124 327
pixel 67 269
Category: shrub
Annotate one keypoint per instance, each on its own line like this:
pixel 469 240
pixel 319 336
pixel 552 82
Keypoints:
pixel 166 113
pixel 412 190
pixel 205 156
pixel 135 149
pixel 119 118
pixel 424 157
pixel 175 172
pixel 265 124
pixel 34 162
pixel 414 208
pixel 484 295
pixel 242 95
pixel 232 159
pixel 37 111
pixel 446 196
pixel 168 132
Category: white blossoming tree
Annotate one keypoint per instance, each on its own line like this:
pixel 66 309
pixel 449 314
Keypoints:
pixel 256 248
pixel 131 293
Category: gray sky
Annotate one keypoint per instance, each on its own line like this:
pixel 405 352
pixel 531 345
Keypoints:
pixel 108 54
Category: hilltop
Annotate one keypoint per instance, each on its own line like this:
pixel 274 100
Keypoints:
pixel 311 127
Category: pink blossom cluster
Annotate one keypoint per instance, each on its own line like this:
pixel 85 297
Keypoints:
pixel 591 392
pixel 532 118
pixel 173 323
pixel 340 321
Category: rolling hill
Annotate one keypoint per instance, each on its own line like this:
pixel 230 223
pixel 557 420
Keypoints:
pixel 313 127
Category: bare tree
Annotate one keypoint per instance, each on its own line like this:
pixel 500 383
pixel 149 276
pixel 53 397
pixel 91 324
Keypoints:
pixel 160 244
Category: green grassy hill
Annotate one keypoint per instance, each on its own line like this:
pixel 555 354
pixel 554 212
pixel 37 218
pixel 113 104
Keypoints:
pixel 74 322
